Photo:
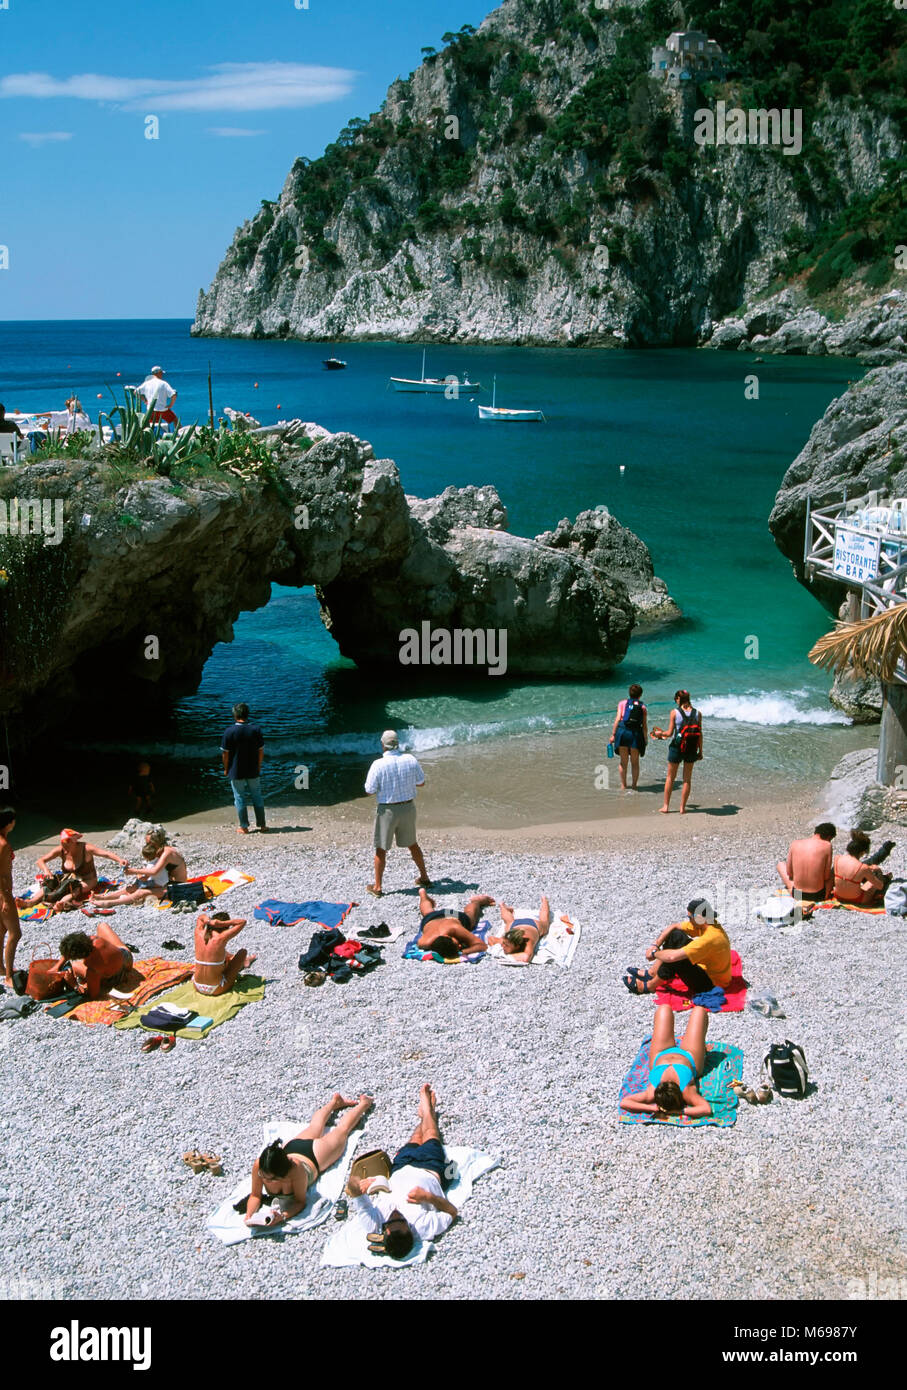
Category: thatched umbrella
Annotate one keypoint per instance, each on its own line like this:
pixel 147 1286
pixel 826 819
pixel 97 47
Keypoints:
pixel 871 647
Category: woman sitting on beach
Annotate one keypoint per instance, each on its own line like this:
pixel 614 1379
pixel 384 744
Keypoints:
pixel 684 733
pixel 630 734
pixel 78 868
pixel 10 931
pixel 287 1170
pixel 522 933
pixel 215 970
pixel 165 865
pixel 856 880
pixel 94 965
pixel 674 1068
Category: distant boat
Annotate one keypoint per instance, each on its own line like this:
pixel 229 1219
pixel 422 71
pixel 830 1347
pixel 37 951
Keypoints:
pixel 495 412
pixel 433 385
pixel 333 364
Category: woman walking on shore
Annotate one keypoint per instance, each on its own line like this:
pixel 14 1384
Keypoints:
pixel 684 735
pixel 10 931
pixel 630 734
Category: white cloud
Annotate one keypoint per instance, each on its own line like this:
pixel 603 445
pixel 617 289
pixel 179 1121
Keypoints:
pixel 45 137
pixel 227 87
pixel 230 132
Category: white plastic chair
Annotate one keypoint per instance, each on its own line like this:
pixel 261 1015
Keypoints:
pixel 9 447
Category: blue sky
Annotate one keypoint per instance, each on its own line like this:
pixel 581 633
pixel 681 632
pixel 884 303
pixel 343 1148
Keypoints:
pixel 101 222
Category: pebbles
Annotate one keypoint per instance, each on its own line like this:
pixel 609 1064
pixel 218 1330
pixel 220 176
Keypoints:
pixel 798 1200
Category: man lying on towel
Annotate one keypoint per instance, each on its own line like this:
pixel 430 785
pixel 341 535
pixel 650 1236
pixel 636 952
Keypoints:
pixel 92 965
pixel 451 935
pixel 411 1201
pixel 696 951
pixel 288 1170
pixel 523 930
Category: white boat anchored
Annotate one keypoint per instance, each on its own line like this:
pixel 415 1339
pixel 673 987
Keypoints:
pixel 498 412
pixel 433 385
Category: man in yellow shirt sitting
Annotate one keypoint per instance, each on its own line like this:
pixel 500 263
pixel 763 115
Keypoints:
pixel 696 951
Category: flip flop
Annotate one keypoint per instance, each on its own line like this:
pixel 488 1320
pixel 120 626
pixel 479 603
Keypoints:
pixel 341 1210
pixel 422 882
pixel 375 892
pixel 151 1043
pixel 314 978
pixel 168 1044
pixel 213 1164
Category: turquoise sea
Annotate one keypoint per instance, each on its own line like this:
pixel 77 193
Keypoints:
pixel 701 467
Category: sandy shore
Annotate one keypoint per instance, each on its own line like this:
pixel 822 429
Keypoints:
pixel 526 1063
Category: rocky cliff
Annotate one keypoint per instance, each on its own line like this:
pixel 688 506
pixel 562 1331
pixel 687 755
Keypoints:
pixel 117 607
pixel 532 183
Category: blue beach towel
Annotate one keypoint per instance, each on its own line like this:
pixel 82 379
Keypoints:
pixel 723 1064
pixel 324 914
pixel 411 951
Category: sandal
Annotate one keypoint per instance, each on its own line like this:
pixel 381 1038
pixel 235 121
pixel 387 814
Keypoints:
pixel 341 1210
pixel 212 1163
pixel 422 882
pixel 375 892
pixel 151 1043
pixel 195 1161
pixel 314 978
pixel 168 1044
pixel 633 978
pixel 764 1095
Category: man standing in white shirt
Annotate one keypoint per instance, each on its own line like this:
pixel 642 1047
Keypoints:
pixel 411 1201
pixel 394 777
pixel 160 394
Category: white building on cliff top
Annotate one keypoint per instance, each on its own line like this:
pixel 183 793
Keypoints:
pixel 689 55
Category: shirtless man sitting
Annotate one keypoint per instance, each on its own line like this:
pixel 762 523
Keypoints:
pixel 450 936
pixel 216 971
pixel 523 932
pixel 809 873
pixel 287 1170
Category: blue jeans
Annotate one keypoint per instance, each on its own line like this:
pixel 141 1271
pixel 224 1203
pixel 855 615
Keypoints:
pixel 246 790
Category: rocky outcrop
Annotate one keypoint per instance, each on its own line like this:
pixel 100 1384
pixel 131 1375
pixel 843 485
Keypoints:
pixel 858 697
pixel 506 192
pixel 853 798
pixel 613 550
pixel 859 445
pixel 121 615
pixel 876 333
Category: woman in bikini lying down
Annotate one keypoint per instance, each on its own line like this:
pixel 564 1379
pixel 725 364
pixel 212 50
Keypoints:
pixel 674 1069
pixel 287 1170
pixel 522 931
pixel 216 971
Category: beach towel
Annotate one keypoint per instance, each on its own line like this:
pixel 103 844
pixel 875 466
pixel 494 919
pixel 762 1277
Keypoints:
pixel 853 907
pixel 229 1226
pixel 347 1245
pixel 147 978
pixel 723 1064
pixel 39 911
pixel 219 1007
pixel 323 914
pixel 557 948
pixel 218 882
pixel 677 995
pixel 413 952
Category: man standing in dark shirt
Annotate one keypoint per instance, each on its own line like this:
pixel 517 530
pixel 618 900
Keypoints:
pixel 242 751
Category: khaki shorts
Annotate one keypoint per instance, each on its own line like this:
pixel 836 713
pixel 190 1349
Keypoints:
pixel 396 820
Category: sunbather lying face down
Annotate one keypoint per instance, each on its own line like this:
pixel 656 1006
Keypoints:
pixel 674 1069
pixel 523 931
pixel 288 1169
pixel 451 936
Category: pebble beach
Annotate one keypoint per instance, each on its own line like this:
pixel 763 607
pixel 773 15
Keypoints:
pixel 798 1200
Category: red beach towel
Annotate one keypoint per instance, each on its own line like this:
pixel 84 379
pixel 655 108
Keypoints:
pixel 678 996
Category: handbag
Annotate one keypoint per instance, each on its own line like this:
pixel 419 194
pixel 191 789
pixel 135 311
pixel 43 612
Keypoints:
pixel 43 981
pixel 374 1164
pixel 188 893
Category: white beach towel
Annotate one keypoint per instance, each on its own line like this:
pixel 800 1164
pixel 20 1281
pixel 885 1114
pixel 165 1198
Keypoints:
pixel 557 948
pixel 229 1226
pixel 347 1245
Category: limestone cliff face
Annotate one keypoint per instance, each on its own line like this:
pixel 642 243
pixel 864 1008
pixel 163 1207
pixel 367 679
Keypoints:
pixel 469 210
pixel 117 611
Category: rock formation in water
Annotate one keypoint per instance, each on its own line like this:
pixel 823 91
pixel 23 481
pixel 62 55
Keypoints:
pixel 613 550
pixel 858 447
pixel 123 613
pixel 538 181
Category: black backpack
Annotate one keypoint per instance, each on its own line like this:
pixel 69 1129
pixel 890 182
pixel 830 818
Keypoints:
pixel 633 715
pixel 784 1069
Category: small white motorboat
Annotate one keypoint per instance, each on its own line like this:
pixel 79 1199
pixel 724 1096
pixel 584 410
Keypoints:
pixel 496 412
pixel 434 385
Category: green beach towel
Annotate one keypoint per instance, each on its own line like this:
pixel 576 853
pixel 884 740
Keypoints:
pixel 723 1064
pixel 221 1007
